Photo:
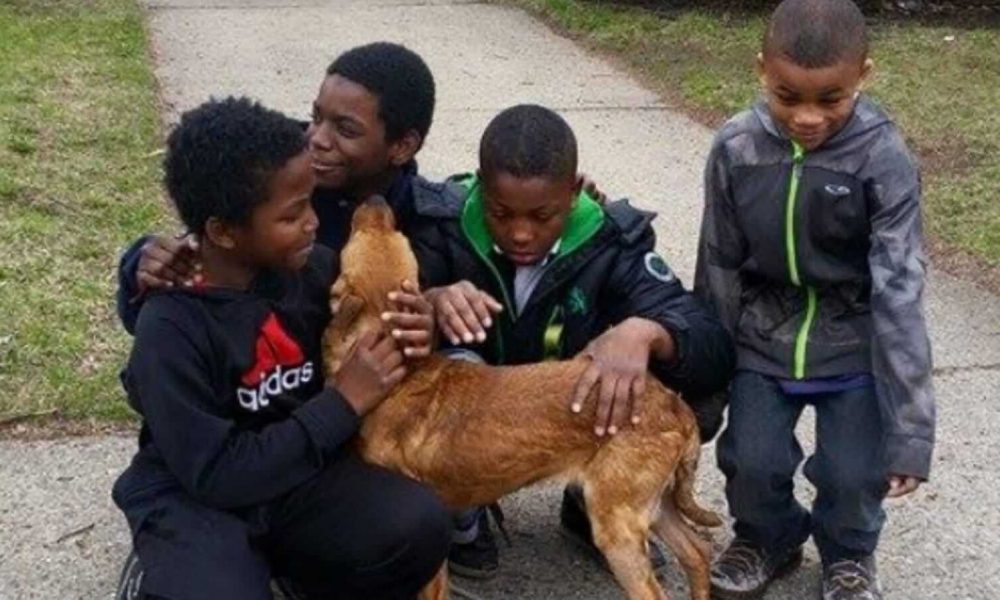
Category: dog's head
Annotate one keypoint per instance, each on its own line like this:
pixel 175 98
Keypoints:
pixel 375 261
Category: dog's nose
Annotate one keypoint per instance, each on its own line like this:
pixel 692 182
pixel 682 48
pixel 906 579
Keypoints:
pixel 374 214
pixel 377 201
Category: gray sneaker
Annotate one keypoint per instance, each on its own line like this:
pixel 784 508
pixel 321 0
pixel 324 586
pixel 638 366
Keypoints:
pixel 744 570
pixel 851 580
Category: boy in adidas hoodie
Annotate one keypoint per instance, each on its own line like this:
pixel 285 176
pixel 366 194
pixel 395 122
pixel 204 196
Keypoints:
pixel 811 251
pixel 242 472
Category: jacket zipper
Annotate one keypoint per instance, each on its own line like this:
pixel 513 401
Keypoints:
pixel 508 305
pixel 802 338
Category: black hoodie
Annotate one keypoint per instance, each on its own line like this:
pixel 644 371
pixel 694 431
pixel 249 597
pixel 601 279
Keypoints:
pixel 230 388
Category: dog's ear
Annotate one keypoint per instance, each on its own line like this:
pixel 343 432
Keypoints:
pixel 337 337
pixel 348 307
pixel 336 292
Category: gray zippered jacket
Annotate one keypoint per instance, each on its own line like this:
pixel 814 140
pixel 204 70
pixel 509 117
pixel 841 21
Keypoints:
pixel 814 261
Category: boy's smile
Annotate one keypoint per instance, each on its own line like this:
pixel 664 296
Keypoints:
pixel 347 137
pixel 525 216
pixel 811 104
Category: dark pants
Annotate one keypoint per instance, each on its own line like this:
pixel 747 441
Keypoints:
pixel 758 453
pixel 353 532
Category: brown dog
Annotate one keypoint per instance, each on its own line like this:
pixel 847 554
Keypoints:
pixel 475 433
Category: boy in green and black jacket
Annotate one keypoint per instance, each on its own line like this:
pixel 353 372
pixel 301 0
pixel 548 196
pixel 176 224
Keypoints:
pixel 544 271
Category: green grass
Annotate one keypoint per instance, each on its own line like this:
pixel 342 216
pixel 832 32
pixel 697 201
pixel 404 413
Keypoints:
pixel 944 94
pixel 78 120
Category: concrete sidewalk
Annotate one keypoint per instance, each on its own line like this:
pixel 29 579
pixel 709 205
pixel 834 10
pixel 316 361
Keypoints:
pixel 59 534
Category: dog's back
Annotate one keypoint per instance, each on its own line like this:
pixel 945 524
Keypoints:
pixel 475 432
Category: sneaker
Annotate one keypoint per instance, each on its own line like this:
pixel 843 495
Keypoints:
pixel 744 570
pixel 130 579
pixel 574 525
pixel 478 559
pixel 851 580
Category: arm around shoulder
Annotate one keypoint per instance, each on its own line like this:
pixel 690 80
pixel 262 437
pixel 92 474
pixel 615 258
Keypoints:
pixel 127 297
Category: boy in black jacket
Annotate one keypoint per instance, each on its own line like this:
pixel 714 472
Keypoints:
pixel 545 272
pixel 242 472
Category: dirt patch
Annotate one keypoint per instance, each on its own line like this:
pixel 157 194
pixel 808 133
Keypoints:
pixel 31 429
pixel 963 265
pixel 952 156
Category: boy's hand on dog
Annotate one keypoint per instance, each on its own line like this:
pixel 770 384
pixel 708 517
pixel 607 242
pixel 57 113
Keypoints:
pixel 413 323
pixel 464 312
pixel 371 369
pixel 166 261
pixel 619 361
pixel 901 485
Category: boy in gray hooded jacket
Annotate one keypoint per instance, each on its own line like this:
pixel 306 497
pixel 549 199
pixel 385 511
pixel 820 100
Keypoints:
pixel 811 251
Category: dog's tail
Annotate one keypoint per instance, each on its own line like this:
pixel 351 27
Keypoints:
pixel 684 485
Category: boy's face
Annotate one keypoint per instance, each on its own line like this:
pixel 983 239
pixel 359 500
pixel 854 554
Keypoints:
pixel 282 229
pixel 347 137
pixel 811 105
pixel 526 216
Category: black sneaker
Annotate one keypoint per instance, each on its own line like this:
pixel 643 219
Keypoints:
pixel 574 524
pixel 744 570
pixel 130 579
pixel 478 559
pixel 851 580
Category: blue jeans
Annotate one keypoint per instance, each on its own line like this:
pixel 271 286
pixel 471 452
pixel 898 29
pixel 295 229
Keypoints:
pixel 759 453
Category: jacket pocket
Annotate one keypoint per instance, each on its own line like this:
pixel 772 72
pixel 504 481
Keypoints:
pixel 837 214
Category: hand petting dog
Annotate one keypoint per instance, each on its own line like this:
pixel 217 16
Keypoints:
pixel 619 361
pixel 371 369
pixel 412 324
pixel 464 312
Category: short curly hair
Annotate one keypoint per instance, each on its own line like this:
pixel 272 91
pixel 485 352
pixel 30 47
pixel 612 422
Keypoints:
pixel 221 157
pixel 528 140
pixel 401 80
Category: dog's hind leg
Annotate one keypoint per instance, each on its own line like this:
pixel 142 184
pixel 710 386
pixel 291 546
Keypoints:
pixel 684 486
pixel 691 551
pixel 621 534
pixel 622 488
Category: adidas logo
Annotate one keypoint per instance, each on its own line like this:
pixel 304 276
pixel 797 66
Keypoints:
pixel 279 366
pixel 282 379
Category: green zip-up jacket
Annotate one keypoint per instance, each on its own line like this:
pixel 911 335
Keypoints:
pixel 606 270
pixel 814 261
